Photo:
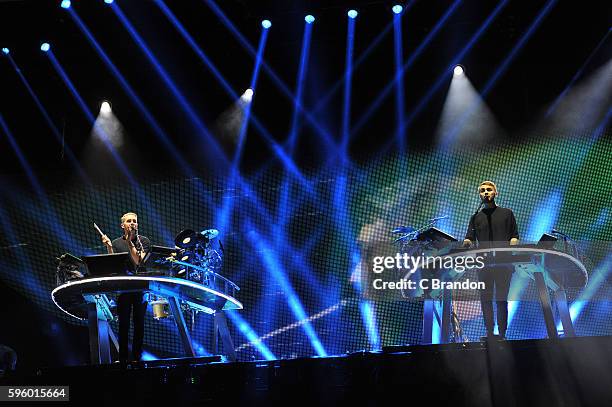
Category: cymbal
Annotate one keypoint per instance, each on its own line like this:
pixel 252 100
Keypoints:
pixel 186 256
pixel 186 239
pixel 210 233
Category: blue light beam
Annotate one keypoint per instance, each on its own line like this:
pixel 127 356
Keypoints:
pixel 325 135
pixel 348 74
pixel 413 57
pixel 213 149
pixel 399 79
pixel 52 126
pixel 250 334
pixel 144 111
pixel 106 141
pixel 502 67
pixel 273 266
pixel 275 148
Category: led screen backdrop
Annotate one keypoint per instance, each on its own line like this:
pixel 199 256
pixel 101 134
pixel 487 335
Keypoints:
pixel 294 248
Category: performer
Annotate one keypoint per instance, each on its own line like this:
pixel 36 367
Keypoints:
pixel 138 246
pixel 493 224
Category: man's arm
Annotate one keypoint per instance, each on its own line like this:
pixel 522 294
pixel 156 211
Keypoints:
pixel 514 236
pixel 107 242
pixel 469 235
pixel 136 258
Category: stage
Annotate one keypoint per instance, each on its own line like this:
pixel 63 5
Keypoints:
pixel 562 372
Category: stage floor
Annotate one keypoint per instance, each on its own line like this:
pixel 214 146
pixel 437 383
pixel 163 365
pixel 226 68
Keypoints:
pixel 562 372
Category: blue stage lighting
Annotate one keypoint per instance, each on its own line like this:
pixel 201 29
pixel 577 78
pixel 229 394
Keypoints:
pixel 44 47
pixel 6 50
pixel 109 1
pixel 250 334
pixel 65 4
pixel 266 24
pixel 309 19
pixel 397 9
pixel 56 132
pixel 352 13
pixel 277 80
pixel 146 356
pixel 369 319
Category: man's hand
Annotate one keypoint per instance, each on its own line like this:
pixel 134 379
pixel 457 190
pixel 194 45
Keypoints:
pixel 108 243
pixel 131 233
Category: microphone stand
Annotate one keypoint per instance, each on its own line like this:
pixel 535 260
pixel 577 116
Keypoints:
pixel 139 248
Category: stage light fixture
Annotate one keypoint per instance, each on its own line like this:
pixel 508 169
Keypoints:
pixel 397 9
pixel 109 1
pixel 44 47
pixel 352 13
pixel 247 96
pixel 266 24
pixel 65 4
pixel 105 108
pixel 458 70
pixel 309 19
pixel 6 50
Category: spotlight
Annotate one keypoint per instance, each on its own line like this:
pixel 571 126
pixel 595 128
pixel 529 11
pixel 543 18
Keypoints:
pixel 44 47
pixel 247 96
pixel 109 1
pixel 266 24
pixel 105 108
pixel 352 13
pixel 309 19
pixel 6 50
pixel 397 9
pixel 65 4
pixel 458 70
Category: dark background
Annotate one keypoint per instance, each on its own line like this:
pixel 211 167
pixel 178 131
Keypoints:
pixel 540 72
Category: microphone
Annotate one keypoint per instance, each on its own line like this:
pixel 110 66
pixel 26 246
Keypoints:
pixel 140 246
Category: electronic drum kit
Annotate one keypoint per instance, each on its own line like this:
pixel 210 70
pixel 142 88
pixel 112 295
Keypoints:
pixel 197 257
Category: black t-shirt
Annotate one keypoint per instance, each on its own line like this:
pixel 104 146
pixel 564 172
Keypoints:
pixel 120 245
pixel 492 225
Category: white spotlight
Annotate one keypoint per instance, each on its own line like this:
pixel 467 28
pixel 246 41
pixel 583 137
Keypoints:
pixel 105 108
pixel 247 96
pixel 458 70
